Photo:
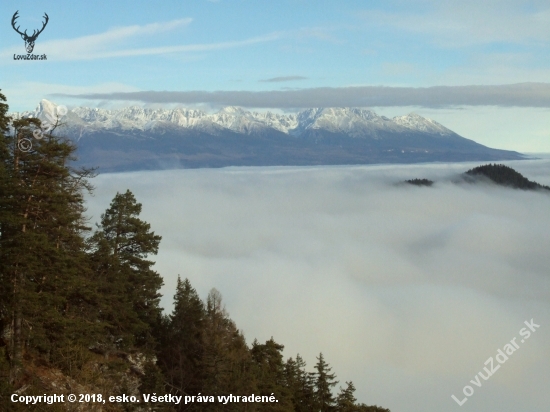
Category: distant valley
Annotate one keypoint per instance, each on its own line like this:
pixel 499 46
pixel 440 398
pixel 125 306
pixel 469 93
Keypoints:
pixel 135 138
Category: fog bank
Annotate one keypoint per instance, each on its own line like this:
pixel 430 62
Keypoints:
pixel 406 290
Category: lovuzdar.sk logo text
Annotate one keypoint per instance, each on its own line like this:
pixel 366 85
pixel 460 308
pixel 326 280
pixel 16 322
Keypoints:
pixel 29 40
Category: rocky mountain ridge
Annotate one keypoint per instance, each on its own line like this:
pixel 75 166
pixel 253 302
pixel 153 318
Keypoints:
pixel 356 122
pixel 137 138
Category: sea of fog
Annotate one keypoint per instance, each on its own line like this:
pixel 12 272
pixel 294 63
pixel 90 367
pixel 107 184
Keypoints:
pixel 406 290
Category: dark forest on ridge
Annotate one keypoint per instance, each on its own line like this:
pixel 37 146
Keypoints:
pixel 79 308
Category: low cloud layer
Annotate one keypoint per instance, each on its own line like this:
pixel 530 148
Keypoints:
pixel 407 291
pixel 512 95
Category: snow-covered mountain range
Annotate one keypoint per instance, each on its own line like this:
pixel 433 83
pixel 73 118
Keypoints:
pixel 136 138
pixel 354 122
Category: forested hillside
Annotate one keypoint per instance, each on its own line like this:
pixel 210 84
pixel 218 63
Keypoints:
pixel 79 306
pixel 505 176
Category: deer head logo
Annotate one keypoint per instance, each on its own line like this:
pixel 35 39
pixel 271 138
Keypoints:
pixel 29 40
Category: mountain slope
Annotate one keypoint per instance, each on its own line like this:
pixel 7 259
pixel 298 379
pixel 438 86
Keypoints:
pixel 136 138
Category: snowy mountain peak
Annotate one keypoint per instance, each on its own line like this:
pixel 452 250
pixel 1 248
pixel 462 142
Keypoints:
pixel 45 109
pixel 138 138
pixel 232 110
pixel 46 106
pixel 422 124
pixel 355 122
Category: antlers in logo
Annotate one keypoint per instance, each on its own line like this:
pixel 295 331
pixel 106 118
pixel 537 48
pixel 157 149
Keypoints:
pixel 29 40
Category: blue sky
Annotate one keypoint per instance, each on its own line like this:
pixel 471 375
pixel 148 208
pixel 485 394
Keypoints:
pixel 245 45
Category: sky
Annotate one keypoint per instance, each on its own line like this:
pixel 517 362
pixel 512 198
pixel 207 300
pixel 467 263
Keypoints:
pixel 480 68
pixel 407 291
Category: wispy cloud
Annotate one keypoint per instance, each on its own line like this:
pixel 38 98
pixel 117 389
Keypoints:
pixel 283 79
pixel 111 43
pixel 519 95
pixel 183 48
pixel 92 46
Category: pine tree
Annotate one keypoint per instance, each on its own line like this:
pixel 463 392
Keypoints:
pixel 323 385
pixel 345 401
pixel 129 285
pixel 5 296
pixel 182 348
pixel 226 362
pixel 365 408
pixel 270 374
pixel 46 299
pixel 301 384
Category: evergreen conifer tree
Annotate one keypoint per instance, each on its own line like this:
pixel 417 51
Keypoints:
pixel 345 401
pixel 129 286
pixel 371 408
pixel 323 385
pixel 270 374
pixel 227 361
pixel 182 348
pixel 301 384
pixel 46 298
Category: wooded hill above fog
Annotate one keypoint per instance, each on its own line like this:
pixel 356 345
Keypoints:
pixel 498 174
